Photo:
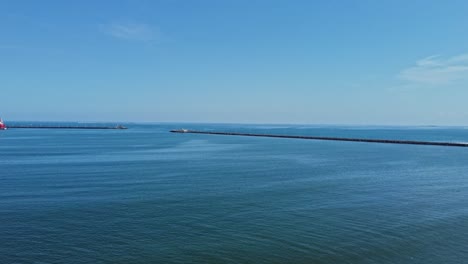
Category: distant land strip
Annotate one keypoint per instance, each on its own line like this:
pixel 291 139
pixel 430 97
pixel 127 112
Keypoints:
pixel 386 141
pixel 69 127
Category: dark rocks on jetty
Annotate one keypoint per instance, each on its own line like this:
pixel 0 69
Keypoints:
pixel 387 141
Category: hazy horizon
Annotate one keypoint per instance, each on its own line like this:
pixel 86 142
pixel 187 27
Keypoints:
pixel 233 123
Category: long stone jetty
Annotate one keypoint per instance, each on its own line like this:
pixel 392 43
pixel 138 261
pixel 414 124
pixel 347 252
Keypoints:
pixel 387 141
pixel 67 127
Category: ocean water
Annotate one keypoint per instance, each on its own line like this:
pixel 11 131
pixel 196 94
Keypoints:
pixel 145 195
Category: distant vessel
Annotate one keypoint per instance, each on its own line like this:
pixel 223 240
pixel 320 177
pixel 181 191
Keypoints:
pixel 2 125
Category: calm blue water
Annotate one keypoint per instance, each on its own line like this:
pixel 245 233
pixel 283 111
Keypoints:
pixel 144 195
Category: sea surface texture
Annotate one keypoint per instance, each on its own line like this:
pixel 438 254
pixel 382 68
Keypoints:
pixel 145 195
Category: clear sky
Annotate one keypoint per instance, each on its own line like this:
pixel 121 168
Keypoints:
pixel 243 61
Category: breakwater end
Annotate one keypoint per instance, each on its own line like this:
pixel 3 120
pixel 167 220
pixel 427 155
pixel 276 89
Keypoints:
pixel 386 141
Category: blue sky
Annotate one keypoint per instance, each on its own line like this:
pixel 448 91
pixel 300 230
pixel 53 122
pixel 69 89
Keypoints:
pixel 244 61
